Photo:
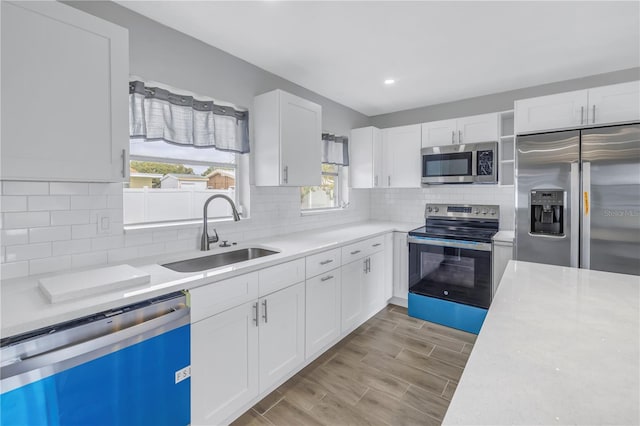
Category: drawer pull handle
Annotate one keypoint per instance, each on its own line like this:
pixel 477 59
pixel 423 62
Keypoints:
pixel 377 244
pixel 328 277
pixel 355 252
pixel 325 262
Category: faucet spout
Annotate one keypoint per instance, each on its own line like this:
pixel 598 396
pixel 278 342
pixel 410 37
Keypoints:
pixel 205 241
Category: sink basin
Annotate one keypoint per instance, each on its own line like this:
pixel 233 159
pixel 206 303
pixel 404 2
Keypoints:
pixel 217 260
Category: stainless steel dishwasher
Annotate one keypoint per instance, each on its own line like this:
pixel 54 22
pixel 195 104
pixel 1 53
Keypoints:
pixel 126 366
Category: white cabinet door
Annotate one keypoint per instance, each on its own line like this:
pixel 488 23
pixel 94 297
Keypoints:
pixel 615 103
pixel 224 364
pixel 437 133
pixel 301 136
pixel 400 265
pixel 322 311
pixel 365 158
pixel 478 128
pixel 352 301
pixel 281 334
pixel 373 285
pixel 401 156
pixel 502 254
pixel 388 266
pixel 64 94
pixel 551 112
pixel 288 134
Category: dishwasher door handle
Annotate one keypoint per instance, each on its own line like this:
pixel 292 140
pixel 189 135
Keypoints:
pixel 26 371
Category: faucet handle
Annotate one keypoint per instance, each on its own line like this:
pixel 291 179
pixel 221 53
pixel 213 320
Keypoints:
pixel 215 238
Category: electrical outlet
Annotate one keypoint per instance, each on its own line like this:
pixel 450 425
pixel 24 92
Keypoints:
pixel 103 224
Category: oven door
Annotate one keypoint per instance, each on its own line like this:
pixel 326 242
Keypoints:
pixel 440 166
pixel 454 270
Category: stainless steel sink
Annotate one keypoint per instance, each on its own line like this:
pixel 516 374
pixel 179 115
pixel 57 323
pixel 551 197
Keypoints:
pixel 217 260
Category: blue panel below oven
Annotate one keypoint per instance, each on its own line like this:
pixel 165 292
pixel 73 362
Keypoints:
pixel 132 386
pixel 451 314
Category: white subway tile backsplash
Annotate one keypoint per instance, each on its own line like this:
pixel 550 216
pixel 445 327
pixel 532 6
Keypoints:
pixel 105 188
pixel 48 202
pixel 60 248
pixel 151 249
pixel 13 203
pixel 122 254
pixel 131 240
pixel 50 264
pixel 84 231
pixel 165 235
pixel 9 237
pixel 51 233
pixel 14 270
pixel 88 202
pixel 27 252
pixel 69 188
pixel 106 243
pixel 71 217
pixel 24 220
pixel 86 260
pixel 25 188
pixel 114 201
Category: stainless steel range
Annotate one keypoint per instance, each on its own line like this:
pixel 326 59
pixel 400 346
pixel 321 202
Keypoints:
pixel 450 264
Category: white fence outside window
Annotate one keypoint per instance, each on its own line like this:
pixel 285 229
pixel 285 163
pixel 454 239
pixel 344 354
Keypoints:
pixel 142 205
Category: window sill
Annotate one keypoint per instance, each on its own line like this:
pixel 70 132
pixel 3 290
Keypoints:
pixel 182 224
pixel 315 212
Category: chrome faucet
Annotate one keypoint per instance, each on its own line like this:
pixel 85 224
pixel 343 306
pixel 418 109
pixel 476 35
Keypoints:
pixel 206 239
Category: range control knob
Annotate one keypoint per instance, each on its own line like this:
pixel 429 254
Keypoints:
pixel 446 293
pixel 429 209
pixel 484 211
pixel 492 212
pixel 435 209
pixel 476 211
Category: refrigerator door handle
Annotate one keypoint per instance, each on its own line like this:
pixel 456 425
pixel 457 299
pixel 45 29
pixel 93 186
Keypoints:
pixel 575 214
pixel 585 252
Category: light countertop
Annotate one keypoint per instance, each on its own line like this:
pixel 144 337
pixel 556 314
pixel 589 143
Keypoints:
pixel 559 345
pixel 25 308
pixel 505 236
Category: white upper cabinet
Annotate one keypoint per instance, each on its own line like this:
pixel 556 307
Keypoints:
pixel 614 104
pixel 365 157
pixel 437 133
pixel 601 105
pixel 64 94
pixel 288 134
pixel 475 128
pixel 401 160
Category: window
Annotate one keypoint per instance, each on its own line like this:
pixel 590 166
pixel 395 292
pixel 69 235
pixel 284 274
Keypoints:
pixel 183 150
pixel 328 194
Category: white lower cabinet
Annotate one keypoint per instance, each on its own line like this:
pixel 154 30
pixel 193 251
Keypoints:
pixel 281 334
pixel 373 285
pixel 352 300
pixel 502 254
pixel 400 266
pixel 224 364
pixel 322 311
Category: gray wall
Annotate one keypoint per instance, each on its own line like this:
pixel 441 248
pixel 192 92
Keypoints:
pixel 162 54
pixel 498 101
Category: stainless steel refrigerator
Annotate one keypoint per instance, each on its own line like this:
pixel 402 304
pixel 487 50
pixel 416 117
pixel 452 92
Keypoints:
pixel 578 198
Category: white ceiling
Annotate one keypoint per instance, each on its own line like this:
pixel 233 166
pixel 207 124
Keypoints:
pixel 436 51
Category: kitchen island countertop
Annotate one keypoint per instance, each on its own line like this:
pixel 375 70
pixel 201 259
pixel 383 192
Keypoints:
pixel 559 346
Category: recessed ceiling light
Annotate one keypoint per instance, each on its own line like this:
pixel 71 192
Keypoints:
pixel 389 81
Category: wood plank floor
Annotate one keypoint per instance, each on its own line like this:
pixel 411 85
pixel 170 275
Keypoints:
pixel 393 370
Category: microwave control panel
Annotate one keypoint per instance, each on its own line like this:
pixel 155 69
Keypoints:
pixel 485 162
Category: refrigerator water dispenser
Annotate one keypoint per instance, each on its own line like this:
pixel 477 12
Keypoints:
pixel 546 209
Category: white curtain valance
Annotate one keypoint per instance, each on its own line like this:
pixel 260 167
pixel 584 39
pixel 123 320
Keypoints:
pixel 335 149
pixel 158 114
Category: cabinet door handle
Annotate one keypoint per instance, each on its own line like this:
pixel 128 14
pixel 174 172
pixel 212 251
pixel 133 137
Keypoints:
pixel 264 315
pixel 326 262
pixel 328 277
pixel 375 181
pixel 255 312
pixel 286 174
pixel 355 252
pixel 368 264
pixel 593 119
pixel 123 156
pixel 582 115
pixel 389 180
pixel 376 245
pixel 364 265
pixel 459 136
pixel 453 137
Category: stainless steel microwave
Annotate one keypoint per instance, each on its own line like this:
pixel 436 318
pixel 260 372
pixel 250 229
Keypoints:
pixel 463 163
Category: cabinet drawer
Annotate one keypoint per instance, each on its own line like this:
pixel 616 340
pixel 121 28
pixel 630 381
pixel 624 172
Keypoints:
pixel 361 249
pixel 322 262
pixel 211 299
pixel 281 276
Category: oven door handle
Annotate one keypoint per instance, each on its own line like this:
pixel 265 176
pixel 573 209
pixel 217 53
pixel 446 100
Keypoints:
pixel 469 245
